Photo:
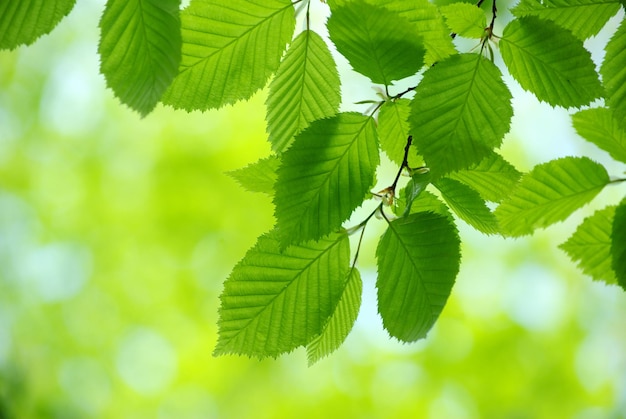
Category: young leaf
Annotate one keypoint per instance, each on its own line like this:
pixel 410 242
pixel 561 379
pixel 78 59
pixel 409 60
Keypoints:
pixel 340 322
pixel 584 18
pixel 493 178
pixel 418 260
pixel 305 88
pixel 613 72
pixel 468 205
pixel 550 193
pixel 599 127
pixel 23 21
pixel 275 301
pixel 590 246
pixel 377 42
pixel 324 176
pixel 230 48
pixel 414 188
pixel 549 62
pixel 425 202
pixel 393 131
pixel 460 112
pixel 259 176
pixel 140 49
pixel 465 19
pixel 618 244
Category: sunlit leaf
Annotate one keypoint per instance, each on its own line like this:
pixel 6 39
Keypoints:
pixel 426 201
pixel 590 246
pixel 140 49
pixel 414 188
pixel 550 193
pixel 549 62
pixel 306 88
pixel 340 322
pixel 259 176
pixel 22 22
pixel 363 33
pixel 393 131
pixel 275 301
pixel 599 127
pixel 418 260
pixel 613 72
pixel 325 175
pixel 618 244
pixel 229 50
pixel 460 112
pixel 465 19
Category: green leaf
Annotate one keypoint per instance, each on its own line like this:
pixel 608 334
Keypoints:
pixel 584 18
pixel 259 176
pixel 618 244
pixel 140 50
pixel 460 112
pixel 414 188
pixel 599 127
pixel 275 301
pixel 23 21
pixel 465 19
pixel 613 72
pixel 550 193
pixel 229 50
pixel 590 246
pixel 468 205
pixel 493 178
pixel 305 88
pixel 393 131
pixel 377 42
pixel 325 175
pixel 418 260
pixel 340 322
pixel 549 62
pixel 424 202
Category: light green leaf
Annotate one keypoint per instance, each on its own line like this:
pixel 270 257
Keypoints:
pixel 305 88
pixel 493 178
pixel 324 175
pixel 613 72
pixel 468 205
pixel 550 193
pixel 393 131
pixel 414 187
pixel 549 62
pixel 229 50
pixel 418 260
pixel 599 127
pixel 259 176
pixel 340 322
pixel 618 244
pixel 140 49
pixel 465 19
pixel 460 112
pixel 584 18
pixel 425 201
pixel 23 21
pixel 275 301
pixel 377 42
pixel 590 246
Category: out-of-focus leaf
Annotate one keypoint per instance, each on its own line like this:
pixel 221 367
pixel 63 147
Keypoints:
pixel 613 72
pixel 465 19
pixel 618 244
pixel 599 127
pixel 259 176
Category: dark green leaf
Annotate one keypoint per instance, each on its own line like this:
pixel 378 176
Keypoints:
pixel 418 260
pixel 613 72
pixel 259 176
pixel 599 127
pixel 306 88
pixel 465 19
pixel 549 62
pixel 618 244
pixel 140 49
pixel 550 193
pixel 275 301
pixel 229 50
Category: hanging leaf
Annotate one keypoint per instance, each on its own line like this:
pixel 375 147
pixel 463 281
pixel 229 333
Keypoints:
pixel 275 301
pixel 465 19
pixel 590 246
pixel 460 112
pixel 424 202
pixel 584 18
pixel 377 42
pixel 340 322
pixel 229 50
pixel 613 72
pixel 324 176
pixel 549 62
pixel 414 188
pixel 259 176
pixel 140 50
pixel 22 22
pixel 306 88
pixel 618 244
pixel 393 131
pixel 550 193
pixel 599 127
pixel 418 260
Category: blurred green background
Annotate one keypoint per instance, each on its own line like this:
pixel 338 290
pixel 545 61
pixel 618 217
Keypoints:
pixel 117 232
